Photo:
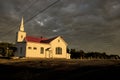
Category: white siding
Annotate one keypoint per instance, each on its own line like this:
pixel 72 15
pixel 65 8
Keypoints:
pixel 59 42
pixel 35 52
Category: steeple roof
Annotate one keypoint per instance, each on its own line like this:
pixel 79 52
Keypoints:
pixel 22 25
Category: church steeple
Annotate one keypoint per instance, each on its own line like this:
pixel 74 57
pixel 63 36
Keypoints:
pixel 22 25
pixel 21 34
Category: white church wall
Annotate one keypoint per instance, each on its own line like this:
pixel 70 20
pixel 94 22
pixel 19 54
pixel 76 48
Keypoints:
pixel 34 49
pixel 59 42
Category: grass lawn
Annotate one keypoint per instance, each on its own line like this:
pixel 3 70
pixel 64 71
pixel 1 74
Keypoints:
pixel 59 69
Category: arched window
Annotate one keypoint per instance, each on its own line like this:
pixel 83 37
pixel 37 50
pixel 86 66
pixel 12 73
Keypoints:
pixel 42 50
pixel 58 50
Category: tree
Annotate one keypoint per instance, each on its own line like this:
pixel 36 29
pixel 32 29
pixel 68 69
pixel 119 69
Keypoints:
pixel 7 49
pixel 82 54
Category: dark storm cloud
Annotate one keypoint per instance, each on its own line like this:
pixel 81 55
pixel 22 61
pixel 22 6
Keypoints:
pixel 91 25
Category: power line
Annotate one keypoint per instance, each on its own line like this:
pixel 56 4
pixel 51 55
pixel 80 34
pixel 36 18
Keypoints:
pixel 41 11
pixel 31 4
pixel 14 28
pixel 32 17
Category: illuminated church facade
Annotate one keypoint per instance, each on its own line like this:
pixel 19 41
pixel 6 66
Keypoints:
pixel 34 47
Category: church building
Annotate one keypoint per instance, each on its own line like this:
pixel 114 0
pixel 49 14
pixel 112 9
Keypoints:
pixel 34 47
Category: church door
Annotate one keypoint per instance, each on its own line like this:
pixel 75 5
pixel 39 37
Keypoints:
pixel 48 54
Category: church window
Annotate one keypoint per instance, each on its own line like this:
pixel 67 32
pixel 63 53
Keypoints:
pixel 41 50
pixel 34 48
pixel 21 36
pixel 58 40
pixel 29 47
pixel 58 50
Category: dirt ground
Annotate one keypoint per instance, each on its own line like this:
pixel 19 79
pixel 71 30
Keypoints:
pixel 59 69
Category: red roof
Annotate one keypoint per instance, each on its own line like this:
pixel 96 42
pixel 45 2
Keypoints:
pixel 48 40
pixel 38 40
pixel 34 39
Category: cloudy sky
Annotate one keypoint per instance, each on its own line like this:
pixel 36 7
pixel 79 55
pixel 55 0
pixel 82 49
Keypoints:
pixel 89 25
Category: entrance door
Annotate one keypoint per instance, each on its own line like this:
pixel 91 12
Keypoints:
pixel 48 54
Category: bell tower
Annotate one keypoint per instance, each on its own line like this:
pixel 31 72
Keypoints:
pixel 21 34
